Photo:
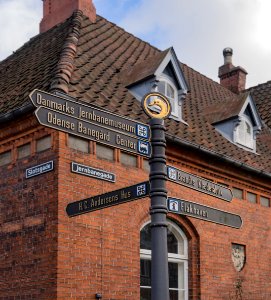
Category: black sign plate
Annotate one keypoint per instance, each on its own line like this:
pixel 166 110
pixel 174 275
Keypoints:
pixel 92 172
pixel 92 114
pixel 116 197
pixel 206 213
pixel 39 169
pixel 66 123
pixel 199 184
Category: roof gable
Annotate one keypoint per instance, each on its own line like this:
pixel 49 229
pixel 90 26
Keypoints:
pixel 163 62
pixel 171 62
pixel 233 107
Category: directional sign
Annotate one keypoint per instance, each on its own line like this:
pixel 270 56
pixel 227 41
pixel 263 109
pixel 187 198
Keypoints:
pixel 92 114
pixel 199 184
pixel 206 213
pixel 72 125
pixel 116 197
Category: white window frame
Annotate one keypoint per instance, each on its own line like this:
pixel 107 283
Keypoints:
pixel 241 137
pixel 173 257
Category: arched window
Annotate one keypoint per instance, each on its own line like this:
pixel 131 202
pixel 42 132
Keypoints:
pixel 244 133
pixel 167 88
pixel 177 262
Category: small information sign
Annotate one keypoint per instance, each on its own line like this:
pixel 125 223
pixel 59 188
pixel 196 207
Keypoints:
pixel 92 172
pixel 39 169
pixel 199 184
pixel 206 213
pixel 116 197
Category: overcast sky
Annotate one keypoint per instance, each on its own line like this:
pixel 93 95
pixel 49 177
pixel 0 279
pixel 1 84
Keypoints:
pixel 198 30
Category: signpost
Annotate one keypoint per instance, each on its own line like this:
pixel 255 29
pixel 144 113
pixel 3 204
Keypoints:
pixel 158 194
pixel 116 197
pixel 198 183
pixel 99 125
pixel 91 123
pixel 206 213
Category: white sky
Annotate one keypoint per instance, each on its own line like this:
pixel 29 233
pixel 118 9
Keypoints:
pixel 198 30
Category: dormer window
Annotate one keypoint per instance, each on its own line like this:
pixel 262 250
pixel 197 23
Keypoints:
pixel 161 73
pixel 237 119
pixel 244 133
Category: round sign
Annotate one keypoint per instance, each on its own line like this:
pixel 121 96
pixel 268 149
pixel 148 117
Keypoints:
pixel 156 105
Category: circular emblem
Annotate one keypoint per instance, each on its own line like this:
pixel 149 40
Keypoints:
pixel 156 105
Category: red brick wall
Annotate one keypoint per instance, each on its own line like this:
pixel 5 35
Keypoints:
pixel 47 255
pixel 28 214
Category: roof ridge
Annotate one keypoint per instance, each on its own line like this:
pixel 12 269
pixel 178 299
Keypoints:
pixel 257 86
pixel 65 65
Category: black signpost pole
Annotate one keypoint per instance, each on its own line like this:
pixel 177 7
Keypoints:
pixel 158 108
pixel 158 211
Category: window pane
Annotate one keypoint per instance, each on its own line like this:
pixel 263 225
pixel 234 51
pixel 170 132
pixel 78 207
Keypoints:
pixel 145 272
pixel 24 151
pixel 176 295
pixel 244 134
pixel 161 87
pixel 248 128
pixel 43 143
pixel 237 193
pixel 145 238
pixel 146 165
pixel 5 158
pixel 78 143
pixel 170 91
pixel 251 197
pixel 104 152
pixel 173 295
pixel 145 294
pixel 172 243
pixel 173 275
pixel 128 159
pixel 176 280
pixel 265 201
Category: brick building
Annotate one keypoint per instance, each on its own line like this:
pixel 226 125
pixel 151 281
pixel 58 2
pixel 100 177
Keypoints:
pixel 218 135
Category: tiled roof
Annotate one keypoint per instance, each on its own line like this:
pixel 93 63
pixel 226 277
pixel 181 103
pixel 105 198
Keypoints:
pixel 92 55
pixel 142 70
pixel 31 66
pixel 231 108
pixel 262 95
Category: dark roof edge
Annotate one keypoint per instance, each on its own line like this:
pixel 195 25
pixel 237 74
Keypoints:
pixel 16 113
pixel 217 155
pixel 65 65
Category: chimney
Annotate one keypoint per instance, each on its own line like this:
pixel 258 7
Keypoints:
pixel 57 11
pixel 231 77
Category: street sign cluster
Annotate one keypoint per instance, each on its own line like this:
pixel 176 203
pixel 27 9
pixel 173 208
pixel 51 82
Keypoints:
pixel 78 118
pixel 91 123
